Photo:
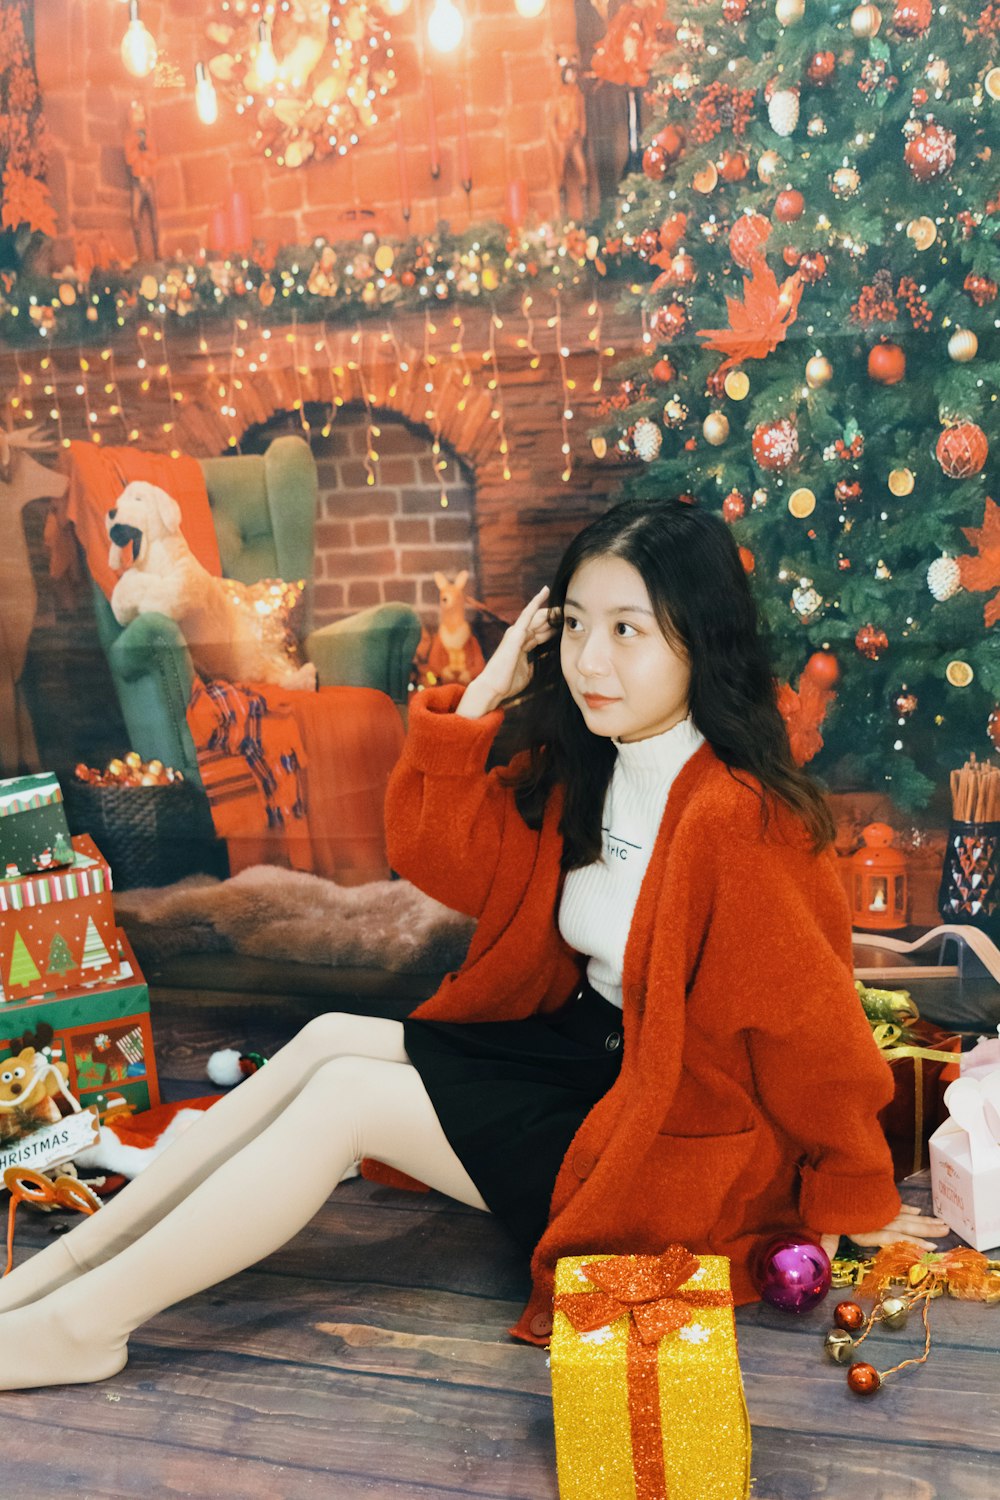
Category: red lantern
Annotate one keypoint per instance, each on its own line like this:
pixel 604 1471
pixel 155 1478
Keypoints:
pixel 887 364
pixel 821 68
pixel 912 17
pixel 931 153
pixel 775 445
pixel 747 238
pixel 734 507
pixel 871 642
pixel 962 450
pixel 812 265
pixel 879 884
pixel 789 206
pixel 823 668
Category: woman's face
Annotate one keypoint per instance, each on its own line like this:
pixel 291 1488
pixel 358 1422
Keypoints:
pixel 626 679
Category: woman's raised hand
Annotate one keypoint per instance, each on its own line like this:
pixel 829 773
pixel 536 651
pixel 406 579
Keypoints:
pixel 508 670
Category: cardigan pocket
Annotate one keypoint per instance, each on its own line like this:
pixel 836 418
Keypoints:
pixel 696 1175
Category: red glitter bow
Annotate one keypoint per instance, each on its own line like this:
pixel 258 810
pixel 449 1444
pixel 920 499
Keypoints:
pixel 647 1289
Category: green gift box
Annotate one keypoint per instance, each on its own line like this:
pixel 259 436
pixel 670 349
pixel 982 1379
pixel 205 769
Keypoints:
pixel 34 833
pixel 101 1031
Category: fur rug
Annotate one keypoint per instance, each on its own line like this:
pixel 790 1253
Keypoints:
pixel 275 913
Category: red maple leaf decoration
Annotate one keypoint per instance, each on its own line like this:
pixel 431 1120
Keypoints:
pixel 982 572
pixel 758 324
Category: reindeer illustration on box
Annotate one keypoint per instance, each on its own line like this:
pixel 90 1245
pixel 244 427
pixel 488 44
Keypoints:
pixel 22 478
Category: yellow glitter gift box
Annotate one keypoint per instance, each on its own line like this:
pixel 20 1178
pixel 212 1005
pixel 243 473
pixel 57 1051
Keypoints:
pixel 646 1383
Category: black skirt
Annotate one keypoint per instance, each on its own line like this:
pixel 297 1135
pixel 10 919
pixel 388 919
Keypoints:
pixel 510 1096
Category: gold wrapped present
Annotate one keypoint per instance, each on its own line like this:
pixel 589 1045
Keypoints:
pixel 646 1384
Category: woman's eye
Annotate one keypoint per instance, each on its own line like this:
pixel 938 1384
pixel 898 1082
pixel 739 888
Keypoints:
pixel 625 631
pixel 570 623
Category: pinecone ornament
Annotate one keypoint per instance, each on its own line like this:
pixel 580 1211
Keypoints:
pixel 783 111
pixel 646 439
pixel 944 578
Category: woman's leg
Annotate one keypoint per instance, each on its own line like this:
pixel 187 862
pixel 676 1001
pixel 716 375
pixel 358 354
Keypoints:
pixel 250 1205
pixel 210 1141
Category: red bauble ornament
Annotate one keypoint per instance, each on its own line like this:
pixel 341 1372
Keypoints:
pixel 733 167
pixel 962 450
pixel 789 206
pixel 993 726
pixel 864 1380
pixel 823 669
pixel 791 256
pixel 663 371
pixel 982 289
pixel 655 162
pixel 668 321
pixel 734 11
pixel 912 17
pixel 734 507
pixel 747 559
pixel 821 68
pixel 849 1316
pixel 871 642
pixel 672 231
pixel 931 153
pixel 887 364
pixel 670 141
pixel 775 444
pixel 747 238
pixel 648 244
pixel 812 266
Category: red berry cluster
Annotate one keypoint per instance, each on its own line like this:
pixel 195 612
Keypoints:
pixel 851 451
pixel 875 73
pixel 967 222
pixel 919 311
pixel 981 289
pixel 844 491
pixel 735 11
pixel 876 304
pixel 628 392
pixel 722 106
pixel 989 19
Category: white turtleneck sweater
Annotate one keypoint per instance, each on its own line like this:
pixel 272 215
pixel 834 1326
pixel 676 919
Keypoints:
pixel 595 913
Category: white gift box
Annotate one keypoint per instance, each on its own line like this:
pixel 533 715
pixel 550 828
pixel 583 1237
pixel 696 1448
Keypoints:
pixel 965 1160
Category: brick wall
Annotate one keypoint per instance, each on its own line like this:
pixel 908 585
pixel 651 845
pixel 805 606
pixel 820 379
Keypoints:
pixel 506 67
pixel 384 542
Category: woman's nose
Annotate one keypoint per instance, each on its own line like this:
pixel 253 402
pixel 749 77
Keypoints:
pixel 593 658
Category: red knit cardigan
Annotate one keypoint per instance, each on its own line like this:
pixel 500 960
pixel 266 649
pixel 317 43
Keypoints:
pixel 749 1087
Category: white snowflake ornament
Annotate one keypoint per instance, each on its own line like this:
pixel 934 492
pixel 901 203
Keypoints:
pixel 944 578
pixel 647 439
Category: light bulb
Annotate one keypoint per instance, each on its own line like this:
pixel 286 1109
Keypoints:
pixel 138 47
pixel 445 26
pixel 395 7
pixel 206 101
pixel 265 64
pixel 529 8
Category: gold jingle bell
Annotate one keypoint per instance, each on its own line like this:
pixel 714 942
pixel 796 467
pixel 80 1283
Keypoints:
pixel 894 1312
pixel 838 1346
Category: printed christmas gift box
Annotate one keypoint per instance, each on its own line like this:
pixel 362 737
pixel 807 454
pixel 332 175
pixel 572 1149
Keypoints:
pixel 57 927
pixel 102 1034
pixel 34 834
pixel 646 1385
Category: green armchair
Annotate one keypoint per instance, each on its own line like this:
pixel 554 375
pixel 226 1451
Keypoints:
pixel 264 510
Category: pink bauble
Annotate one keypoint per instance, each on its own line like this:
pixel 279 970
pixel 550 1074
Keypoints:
pixel 792 1273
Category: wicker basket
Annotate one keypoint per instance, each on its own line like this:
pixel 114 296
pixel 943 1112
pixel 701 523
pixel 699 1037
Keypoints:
pixel 150 835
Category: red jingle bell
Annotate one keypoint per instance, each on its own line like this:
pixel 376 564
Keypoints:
pixel 886 364
pixel 864 1380
pixel 849 1316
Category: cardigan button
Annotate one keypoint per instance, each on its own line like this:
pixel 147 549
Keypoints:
pixel 612 1041
pixel 637 995
pixel 584 1164
pixel 541 1325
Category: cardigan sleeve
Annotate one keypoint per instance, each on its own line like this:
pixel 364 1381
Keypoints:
pixel 817 1071
pixel 444 813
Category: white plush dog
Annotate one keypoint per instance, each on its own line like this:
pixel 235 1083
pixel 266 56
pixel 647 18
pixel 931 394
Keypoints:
pixel 164 577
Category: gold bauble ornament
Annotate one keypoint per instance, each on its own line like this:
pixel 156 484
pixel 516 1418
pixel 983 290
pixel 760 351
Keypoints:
pixel 758 499
pixel 959 673
pixel 384 257
pixel 819 372
pixel 991 83
pixel 737 385
pixel 845 182
pixel 922 231
pixel 866 21
pixel 599 446
pixel 149 288
pixel 705 180
pixel 769 165
pixel 789 12
pixel 801 503
pixel 67 294
pixel 963 346
pixel 716 428
pixel 938 73
pixel 901 482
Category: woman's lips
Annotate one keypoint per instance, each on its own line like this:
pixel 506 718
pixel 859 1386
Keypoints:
pixel 595 700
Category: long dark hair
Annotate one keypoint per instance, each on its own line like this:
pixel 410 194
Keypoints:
pixel 699 592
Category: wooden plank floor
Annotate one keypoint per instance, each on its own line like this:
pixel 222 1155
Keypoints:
pixel 369 1357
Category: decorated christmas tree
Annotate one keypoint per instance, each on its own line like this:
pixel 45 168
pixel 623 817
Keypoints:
pixel 814 242
pixel 60 958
